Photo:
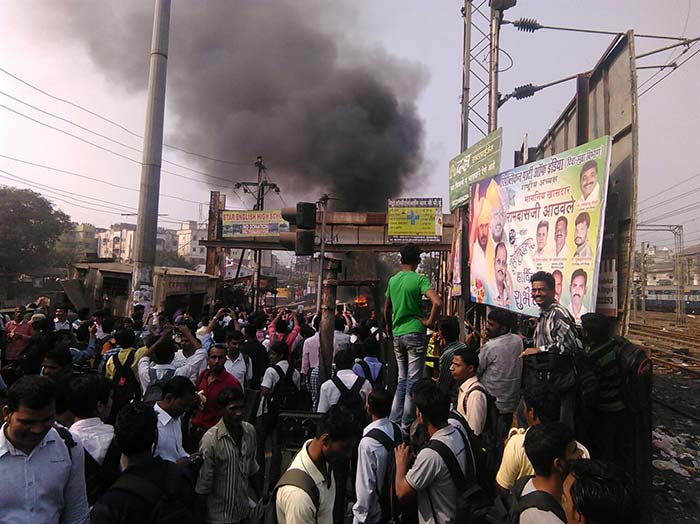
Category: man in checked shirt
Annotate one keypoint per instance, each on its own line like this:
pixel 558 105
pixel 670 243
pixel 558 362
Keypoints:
pixel 556 341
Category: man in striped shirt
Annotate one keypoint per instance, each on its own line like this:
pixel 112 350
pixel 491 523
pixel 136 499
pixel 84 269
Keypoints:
pixel 556 342
pixel 610 427
pixel 224 487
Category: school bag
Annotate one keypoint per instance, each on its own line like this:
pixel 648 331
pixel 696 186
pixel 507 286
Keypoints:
pixel 266 510
pixel 485 446
pixel 166 507
pixel 125 387
pixel 389 502
pixel 474 506
pixel 154 391
pixel 285 394
pixel 351 399
pixel 636 370
pixel 507 509
pixel 377 383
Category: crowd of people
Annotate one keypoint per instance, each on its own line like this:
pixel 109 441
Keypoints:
pixel 158 419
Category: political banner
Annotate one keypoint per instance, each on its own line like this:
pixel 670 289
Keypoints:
pixel 416 220
pixel 543 216
pixel 241 224
pixel 481 160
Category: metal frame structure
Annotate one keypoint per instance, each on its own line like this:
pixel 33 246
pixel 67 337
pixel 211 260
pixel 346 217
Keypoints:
pixel 678 243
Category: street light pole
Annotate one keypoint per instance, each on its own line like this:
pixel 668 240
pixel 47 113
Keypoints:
pixel 147 222
pixel 323 201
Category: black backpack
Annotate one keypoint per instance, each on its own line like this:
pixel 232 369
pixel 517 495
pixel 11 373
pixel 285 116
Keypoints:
pixel 389 502
pixel 125 386
pixel 377 383
pixel 166 507
pixel 636 370
pixel 474 506
pixel 535 499
pixel 154 391
pixel 351 399
pixel 266 510
pixel 100 477
pixel 485 446
pixel 285 394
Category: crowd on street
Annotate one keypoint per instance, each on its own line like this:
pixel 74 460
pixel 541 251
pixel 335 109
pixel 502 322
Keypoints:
pixel 177 418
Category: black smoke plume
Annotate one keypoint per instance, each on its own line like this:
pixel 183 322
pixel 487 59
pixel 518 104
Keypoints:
pixel 271 78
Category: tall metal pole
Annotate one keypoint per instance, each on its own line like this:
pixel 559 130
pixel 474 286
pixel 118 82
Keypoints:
pixel 259 206
pixel 493 69
pixel 464 144
pixel 322 255
pixel 644 282
pixel 147 223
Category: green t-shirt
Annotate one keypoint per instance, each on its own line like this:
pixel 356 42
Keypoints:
pixel 406 289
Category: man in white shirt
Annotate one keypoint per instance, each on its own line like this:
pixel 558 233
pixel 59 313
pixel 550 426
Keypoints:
pixel 330 394
pixel 334 442
pixel 36 459
pixel 577 289
pixel 547 446
pixel 378 440
pixel 61 322
pixel 179 396
pixel 90 400
pixel 238 364
pixel 471 400
pixel 429 477
pixel 588 180
pixel 158 365
pixel 266 425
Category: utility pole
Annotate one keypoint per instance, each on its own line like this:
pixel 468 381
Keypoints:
pixel 644 282
pixel 330 287
pixel 147 222
pixel 323 202
pixel 261 188
pixel 496 16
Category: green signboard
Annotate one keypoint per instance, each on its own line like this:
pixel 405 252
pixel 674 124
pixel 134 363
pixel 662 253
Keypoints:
pixel 480 161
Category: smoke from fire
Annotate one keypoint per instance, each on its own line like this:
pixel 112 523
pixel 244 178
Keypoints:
pixel 268 78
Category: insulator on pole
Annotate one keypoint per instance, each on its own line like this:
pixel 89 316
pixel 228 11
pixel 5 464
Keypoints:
pixel 528 25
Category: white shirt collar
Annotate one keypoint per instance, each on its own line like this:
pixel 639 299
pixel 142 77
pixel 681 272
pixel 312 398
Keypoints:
pixel 468 383
pixel 382 423
pixel 88 423
pixel 163 416
pixel 7 447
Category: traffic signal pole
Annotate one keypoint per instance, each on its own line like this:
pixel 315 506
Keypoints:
pixel 323 201
pixel 147 222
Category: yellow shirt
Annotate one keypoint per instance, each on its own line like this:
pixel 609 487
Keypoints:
pixel 110 368
pixel 515 464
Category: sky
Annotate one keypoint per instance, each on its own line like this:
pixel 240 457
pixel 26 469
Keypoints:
pixel 426 34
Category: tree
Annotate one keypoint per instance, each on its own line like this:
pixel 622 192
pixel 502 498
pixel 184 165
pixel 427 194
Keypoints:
pixel 171 259
pixel 29 228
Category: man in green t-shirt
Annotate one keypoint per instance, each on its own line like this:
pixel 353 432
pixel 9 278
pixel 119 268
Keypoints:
pixel 402 311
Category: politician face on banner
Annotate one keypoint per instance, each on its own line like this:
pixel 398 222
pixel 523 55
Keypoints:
pixel 544 216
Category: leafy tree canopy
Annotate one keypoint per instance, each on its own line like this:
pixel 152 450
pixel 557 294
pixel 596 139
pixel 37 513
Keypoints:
pixel 29 228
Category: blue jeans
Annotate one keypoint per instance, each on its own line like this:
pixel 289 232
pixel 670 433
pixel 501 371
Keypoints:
pixel 409 350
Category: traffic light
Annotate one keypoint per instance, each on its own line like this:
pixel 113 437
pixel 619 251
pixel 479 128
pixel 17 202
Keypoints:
pixel 304 217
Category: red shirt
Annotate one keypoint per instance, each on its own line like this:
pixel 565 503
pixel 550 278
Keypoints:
pixel 210 415
pixel 23 332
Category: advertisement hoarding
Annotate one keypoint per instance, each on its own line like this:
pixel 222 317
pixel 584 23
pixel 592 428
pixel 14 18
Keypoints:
pixel 543 216
pixel 416 220
pixel 241 224
pixel 481 160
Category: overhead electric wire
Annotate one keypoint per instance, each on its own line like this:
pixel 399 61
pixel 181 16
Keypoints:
pixel 73 173
pixel 669 189
pixel 82 199
pixel 165 161
pixel 120 126
pixel 678 66
pixel 106 149
pixel 663 202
